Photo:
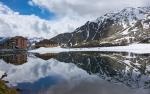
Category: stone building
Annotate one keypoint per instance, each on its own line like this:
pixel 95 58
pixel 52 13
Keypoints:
pixel 17 42
pixel 46 43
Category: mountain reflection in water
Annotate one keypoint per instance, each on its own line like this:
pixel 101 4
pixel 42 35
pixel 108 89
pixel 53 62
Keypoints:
pixel 78 72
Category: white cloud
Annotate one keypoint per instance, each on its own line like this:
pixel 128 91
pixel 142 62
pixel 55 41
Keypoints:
pixel 87 7
pixel 5 10
pixel 30 3
pixel 13 24
pixel 70 15
pixel 28 26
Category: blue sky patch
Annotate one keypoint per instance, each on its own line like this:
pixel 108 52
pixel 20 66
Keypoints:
pixel 24 8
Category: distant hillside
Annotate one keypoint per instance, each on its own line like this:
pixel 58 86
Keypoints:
pixel 130 25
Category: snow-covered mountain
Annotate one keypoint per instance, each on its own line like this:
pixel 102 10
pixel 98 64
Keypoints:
pixel 130 25
pixel 32 41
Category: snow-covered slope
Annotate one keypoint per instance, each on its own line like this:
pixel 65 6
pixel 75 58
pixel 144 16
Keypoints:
pixel 127 26
pixel 133 48
pixel 32 41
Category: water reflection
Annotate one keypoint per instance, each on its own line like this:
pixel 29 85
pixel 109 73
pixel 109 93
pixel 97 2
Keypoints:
pixel 78 72
pixel 133 70
pixel 42 84
pixel 46 56
pixel 16 59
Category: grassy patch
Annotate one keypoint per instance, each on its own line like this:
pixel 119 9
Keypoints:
pixel 4 89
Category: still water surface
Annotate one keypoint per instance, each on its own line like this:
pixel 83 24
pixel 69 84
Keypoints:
pixel 77 73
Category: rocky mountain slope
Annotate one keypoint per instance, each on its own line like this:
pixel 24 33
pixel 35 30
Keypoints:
pixel 130 25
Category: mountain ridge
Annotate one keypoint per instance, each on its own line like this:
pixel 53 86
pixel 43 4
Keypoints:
pixel 130 25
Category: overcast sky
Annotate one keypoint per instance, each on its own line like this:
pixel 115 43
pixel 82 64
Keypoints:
pixel 47 18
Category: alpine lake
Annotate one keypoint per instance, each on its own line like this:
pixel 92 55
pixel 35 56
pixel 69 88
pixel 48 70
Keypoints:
pixel 77 72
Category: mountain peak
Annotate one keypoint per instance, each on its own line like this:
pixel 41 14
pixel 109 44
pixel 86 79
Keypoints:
pixel 127 26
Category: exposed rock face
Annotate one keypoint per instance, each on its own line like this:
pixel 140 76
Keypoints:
pixel 130 25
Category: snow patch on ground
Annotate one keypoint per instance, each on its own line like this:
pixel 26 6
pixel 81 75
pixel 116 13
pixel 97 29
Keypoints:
pixel 1 73
pixel 134 48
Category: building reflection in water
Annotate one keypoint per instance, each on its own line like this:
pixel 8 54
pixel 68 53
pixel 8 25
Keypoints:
pixel 16 59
